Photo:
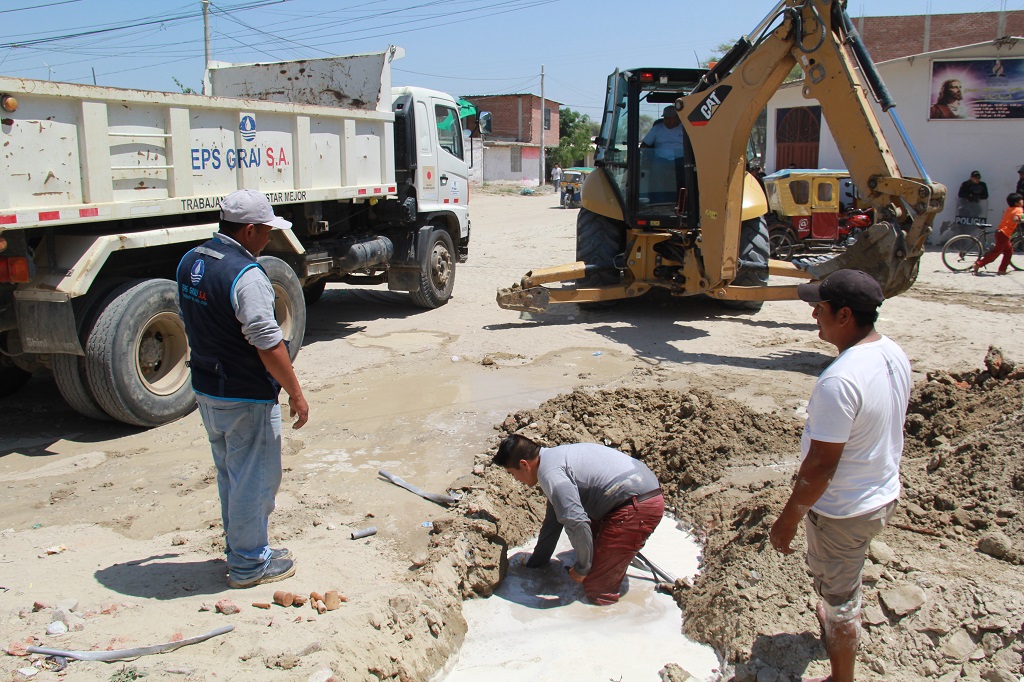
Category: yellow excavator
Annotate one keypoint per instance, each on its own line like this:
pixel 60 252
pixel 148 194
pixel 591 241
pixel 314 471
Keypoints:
pixel 695 224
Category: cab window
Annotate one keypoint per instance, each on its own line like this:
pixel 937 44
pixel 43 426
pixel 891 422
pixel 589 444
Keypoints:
pixel 801 191
pixel 449 130
pixel 824 192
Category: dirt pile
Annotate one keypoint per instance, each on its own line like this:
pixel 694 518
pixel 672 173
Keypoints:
pixel 941 598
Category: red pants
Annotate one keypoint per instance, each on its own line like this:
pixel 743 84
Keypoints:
pixel 1002 247
pixel 617 539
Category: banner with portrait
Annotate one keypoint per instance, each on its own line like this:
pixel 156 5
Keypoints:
pixel 977 89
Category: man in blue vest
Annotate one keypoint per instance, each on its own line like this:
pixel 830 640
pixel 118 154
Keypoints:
pixel 239 364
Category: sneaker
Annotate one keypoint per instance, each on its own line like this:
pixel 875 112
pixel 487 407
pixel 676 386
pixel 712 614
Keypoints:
pixel 277 569
pixel 975 268
pixel 280 553
pixel 1001 272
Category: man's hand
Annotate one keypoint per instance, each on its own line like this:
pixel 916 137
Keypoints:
pixel 782 534
pixel 576 577
pixel 812 480
pixel 298 407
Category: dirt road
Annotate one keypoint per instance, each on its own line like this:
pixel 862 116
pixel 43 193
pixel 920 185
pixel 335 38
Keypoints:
pixel 132 517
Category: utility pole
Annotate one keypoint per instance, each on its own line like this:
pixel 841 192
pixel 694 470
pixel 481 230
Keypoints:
pixel 206 40
pixel 543 176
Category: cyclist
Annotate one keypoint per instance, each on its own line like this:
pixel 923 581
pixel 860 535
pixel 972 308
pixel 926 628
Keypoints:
pixel 1007 226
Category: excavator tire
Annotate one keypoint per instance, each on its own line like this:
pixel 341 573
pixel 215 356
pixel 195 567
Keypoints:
pixel 753 258
pixel 598 240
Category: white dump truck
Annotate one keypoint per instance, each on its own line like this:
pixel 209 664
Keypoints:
pixel 105 189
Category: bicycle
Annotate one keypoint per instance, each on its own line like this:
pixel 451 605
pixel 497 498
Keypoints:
pixel 961 252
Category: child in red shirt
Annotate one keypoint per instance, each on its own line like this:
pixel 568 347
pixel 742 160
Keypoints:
pixel 1007 226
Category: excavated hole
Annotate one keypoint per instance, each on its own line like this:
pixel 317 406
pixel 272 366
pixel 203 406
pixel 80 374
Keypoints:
pixel 727 471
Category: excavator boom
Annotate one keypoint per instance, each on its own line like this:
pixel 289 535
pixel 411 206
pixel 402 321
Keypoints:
pixel 703 256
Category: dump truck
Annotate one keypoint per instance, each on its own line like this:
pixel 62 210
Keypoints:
pixel 694 224
pixel 106 189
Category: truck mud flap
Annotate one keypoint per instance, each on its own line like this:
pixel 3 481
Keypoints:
pixel 46 324
pixel 881 251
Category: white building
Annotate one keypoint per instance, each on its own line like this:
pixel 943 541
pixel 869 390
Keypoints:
pixel 990 139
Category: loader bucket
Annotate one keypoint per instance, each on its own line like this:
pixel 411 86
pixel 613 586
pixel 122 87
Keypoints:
pixel 881 251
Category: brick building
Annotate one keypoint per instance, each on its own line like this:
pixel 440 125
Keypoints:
pixel 511 151
pixel 893 37
pixel 916 56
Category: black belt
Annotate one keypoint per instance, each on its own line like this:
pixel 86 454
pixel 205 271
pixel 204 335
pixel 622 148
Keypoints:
pixel 642 497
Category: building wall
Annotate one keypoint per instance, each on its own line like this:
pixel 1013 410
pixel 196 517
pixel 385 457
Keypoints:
pixel 892 37
pixel 496 165
pixel 949 150
pixel 517 118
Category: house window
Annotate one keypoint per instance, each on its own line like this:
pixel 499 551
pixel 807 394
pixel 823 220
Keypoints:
pixel 547 118
pixel 517 159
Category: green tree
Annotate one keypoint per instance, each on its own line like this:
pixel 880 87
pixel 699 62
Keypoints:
pixel 185 90
pixel 574 134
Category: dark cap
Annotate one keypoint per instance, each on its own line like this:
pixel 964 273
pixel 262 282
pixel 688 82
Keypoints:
pixel 852 288
pixel 670 110
pixel 1021 169
pixel 975 174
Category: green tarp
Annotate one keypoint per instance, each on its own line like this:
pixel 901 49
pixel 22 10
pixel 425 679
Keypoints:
pixel 466 108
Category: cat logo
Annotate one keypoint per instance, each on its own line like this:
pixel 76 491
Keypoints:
pixel 701 116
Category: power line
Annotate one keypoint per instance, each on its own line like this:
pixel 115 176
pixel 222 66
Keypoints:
pixel 111 29
pixel 49 4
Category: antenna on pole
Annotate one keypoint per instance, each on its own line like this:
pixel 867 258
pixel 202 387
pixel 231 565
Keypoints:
pixel 49 77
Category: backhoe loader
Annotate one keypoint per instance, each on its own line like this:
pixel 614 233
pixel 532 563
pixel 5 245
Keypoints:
pixel 696 225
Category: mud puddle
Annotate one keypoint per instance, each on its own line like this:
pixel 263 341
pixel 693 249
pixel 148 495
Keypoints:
pixel 538 626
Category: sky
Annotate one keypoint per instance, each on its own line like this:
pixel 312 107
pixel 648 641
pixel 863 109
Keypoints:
pixel 463 47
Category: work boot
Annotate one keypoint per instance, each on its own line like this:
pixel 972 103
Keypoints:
pixel 280 553
pixel 277 569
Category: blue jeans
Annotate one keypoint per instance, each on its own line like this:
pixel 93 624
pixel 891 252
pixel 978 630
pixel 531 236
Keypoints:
pixel 246 441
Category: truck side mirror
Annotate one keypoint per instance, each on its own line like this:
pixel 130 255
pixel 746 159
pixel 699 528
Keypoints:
pixel 483 122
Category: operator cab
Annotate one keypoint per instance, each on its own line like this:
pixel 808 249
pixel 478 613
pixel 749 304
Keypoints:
pixel 651 181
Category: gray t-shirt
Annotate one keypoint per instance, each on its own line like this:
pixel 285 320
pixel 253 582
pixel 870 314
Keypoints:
pixel 583 482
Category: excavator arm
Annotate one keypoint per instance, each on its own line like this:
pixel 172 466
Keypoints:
pixel 718 116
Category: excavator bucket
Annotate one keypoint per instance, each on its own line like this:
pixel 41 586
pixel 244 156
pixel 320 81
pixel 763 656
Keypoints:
pixel 881 251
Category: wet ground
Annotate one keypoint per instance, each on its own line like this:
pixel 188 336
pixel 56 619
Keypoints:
pixel 538 625
pixel 137 511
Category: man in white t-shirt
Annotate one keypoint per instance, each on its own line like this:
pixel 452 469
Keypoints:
pixel 849 478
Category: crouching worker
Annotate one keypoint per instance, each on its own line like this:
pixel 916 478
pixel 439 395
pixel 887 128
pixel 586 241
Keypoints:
pixel 849 479
pixel 608 503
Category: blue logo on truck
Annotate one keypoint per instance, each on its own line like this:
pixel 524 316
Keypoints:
pixel 248 128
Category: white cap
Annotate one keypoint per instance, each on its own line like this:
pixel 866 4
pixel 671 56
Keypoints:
pixel 249 207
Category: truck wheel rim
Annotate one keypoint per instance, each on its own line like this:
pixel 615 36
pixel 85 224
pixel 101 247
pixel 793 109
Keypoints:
pixel 283 311
pixel 161 351
pixel 440 266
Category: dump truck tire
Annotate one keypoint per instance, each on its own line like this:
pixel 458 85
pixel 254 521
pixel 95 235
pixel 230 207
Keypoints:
pixel 69 371
pixel 136 355
pixel 437 271
pixel 289 302
pixel 12 377
pixel 312 293
pixel 753 258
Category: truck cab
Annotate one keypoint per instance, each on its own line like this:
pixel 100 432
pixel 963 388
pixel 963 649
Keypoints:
pixel 431 157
